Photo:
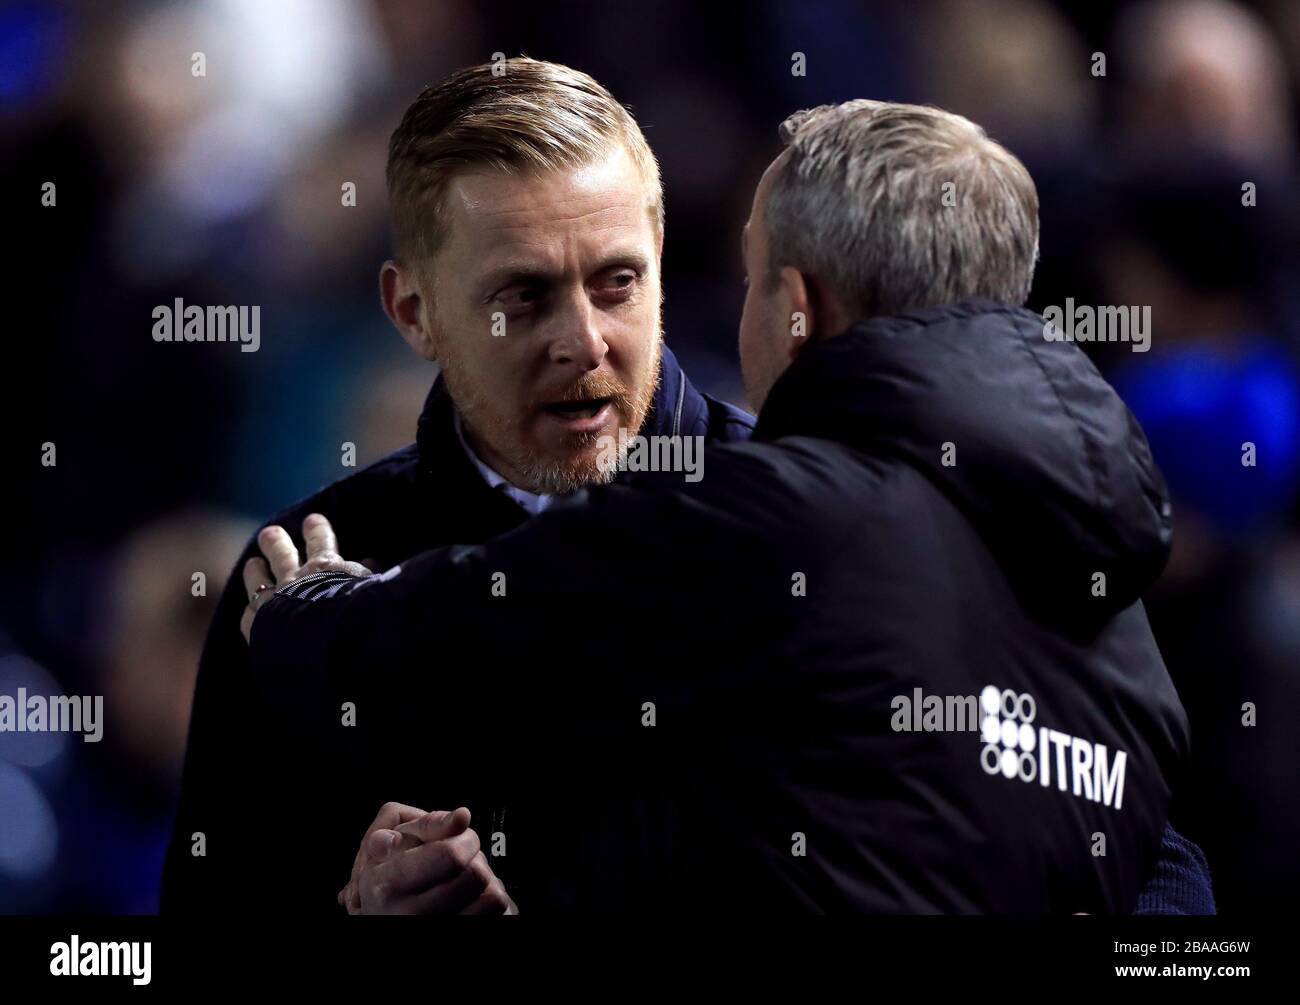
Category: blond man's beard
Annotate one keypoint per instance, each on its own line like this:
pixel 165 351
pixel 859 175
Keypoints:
pixel 504 433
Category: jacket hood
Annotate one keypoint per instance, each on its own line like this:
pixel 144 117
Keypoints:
pixel 1045 460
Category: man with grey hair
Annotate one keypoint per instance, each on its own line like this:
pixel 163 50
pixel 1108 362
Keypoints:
pixel 874 209
pixel 938 504
pixel 867 196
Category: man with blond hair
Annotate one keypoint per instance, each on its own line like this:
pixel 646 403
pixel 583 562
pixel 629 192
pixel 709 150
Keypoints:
pixel 527 221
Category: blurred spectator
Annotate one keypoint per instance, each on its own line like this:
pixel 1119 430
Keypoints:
pixel 1219 397
pixel 157 619
pixel 1207 75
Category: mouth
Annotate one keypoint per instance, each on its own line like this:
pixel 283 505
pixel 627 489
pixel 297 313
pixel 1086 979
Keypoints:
pixel 583 415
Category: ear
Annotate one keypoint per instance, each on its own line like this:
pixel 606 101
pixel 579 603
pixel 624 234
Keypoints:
pixel 824 313
pixel 404 304
pixel 796 295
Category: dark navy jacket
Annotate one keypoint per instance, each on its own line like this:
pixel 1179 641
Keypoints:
pixel 248 773
pixel 692 688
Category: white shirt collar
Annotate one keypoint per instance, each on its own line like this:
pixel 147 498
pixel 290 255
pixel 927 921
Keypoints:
pixel 530 501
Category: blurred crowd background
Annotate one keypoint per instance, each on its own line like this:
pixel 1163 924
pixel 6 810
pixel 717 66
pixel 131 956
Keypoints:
pixel 225 189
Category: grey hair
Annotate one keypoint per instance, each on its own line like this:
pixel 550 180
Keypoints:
pixel 897 207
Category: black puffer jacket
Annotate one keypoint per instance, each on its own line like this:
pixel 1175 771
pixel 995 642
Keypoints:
pixel 245 769
pixel 728 688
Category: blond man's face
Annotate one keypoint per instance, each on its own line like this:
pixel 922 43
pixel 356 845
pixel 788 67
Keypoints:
pixel 544 312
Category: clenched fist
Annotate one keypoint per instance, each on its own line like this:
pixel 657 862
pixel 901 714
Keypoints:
pixel 413 862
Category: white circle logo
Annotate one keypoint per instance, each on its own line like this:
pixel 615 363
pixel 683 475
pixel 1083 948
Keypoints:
pixel 1007 733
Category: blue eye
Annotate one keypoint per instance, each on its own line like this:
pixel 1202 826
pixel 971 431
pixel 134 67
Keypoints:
pixel 622 280
pixel 520 296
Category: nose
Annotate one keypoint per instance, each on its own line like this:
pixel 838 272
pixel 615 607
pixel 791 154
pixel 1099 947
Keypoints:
pixel 578 341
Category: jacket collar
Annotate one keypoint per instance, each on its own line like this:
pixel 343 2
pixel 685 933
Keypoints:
pixel 1020 431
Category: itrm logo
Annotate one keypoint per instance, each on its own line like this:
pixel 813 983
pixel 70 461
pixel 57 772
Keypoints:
pixel 102 959
pixel 1014 748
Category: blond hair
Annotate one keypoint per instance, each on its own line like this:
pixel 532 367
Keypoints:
pixel 516 115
